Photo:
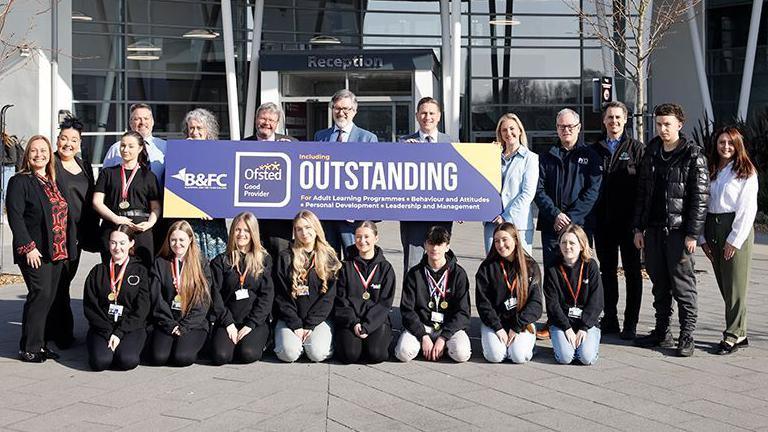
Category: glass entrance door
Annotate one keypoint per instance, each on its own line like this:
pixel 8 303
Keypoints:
pixel 388 120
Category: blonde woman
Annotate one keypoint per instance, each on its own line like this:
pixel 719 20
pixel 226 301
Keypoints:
pixel 180 284
pixel 519 178
pixel 305 287
pixel 574 298
pixel 242 294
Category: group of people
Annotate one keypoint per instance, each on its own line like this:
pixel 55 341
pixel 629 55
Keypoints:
pixel 165 288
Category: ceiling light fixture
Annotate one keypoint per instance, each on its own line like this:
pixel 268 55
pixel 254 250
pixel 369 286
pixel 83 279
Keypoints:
pixel 324 40
pixel 504 22
pixel 142 56
pixel 200 34
pixel 79 16
pixel 143 45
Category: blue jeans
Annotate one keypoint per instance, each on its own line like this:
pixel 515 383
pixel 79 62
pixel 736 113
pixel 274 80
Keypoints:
pixel 586 353
pixel 526 237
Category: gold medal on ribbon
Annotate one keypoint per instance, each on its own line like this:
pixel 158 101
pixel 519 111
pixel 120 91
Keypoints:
pixel 123 205
pixel 443 304
pixel 366 295
pixel 177 299
pixel 111 296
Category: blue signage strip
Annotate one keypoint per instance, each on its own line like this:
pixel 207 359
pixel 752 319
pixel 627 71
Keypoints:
pixel 387 181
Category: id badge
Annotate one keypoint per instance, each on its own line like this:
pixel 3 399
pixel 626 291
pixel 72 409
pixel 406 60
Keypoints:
pixel 511 303
pixel 115 310
pixel 574 312
pixel 176 305
pixel 241 294
pixel 437 317
pixel 303 290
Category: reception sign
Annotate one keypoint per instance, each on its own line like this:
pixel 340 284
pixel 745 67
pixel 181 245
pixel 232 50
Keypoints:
pixel 387 181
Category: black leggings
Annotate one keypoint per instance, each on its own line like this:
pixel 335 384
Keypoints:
pixel 125 357
pixel 248 350
pixel 350 348
pixel 179 350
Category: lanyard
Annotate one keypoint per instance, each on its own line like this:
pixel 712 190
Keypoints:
pixel 241 275
pixel 176 267
pixel 511 287
pixel 124 185
pixel 116 284
pixel 366 282
pixel 437 289
pixel 568 283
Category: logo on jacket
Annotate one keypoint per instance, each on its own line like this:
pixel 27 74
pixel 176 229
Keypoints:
pixel 262 179
pixel 583 161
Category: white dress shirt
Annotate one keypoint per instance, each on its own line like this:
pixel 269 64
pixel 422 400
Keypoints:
pixel 155 151
pixel 347 130
pixel 728 194
pixel 423 136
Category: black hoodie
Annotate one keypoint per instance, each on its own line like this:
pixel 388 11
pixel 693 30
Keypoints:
pixel 559 298
pixel 303 311
pixel 414 302
pixel 351 308
pixel 133 296
pixel 163 292
pixel 252 311
pixel 491 293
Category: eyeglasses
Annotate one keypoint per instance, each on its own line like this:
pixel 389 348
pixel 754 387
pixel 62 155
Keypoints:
pixel 345 110
pixel 568 127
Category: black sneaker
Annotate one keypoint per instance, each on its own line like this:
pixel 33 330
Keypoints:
pixel 629 332
pixel 685 346
pixel 656 339
pixel 609 325
pixel 31 357
pixel 49 353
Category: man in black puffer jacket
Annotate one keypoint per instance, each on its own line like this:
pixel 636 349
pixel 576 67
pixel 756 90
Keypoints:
pixel 671 208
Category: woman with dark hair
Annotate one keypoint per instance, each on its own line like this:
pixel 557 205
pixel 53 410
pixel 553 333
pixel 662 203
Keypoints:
pixel 305 288
pixel 210 234
pixel 508 298
pixel 728 231
pixel 116 305
pixel 74 177
pixel 180 291
pixel 364 294
pixel 128 194
pixel 574 298
pixel 242 294
pixel 43 240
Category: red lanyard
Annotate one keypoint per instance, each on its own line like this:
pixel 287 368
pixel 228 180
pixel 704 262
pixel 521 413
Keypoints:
pixel 568 283
pixel 116 284
pixel 124 185
pixel 176 267
pixel 366 282
pixel 437 289
pixel 511 287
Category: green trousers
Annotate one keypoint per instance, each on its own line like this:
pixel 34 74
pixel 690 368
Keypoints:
pixel 732 275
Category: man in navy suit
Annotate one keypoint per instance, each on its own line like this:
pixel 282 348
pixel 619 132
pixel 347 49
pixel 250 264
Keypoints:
pixel 412 234
pixel 341 234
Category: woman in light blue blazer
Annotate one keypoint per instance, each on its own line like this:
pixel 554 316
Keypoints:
pixel 519 177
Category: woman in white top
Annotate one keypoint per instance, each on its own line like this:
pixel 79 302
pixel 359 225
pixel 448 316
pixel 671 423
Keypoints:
pixel 519 178
pixel 728 233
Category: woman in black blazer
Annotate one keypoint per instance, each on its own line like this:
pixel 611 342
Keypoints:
pixel 74 178
pixel 43 240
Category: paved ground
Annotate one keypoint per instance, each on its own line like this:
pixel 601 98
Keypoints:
pixel 629 389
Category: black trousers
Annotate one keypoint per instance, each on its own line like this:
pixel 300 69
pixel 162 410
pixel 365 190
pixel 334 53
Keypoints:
pixel 178 350
pixel 608 243
pixel 373 349
pixel 670 267
pixel 42 283
pixel 60 325
pixel 125 357
pixel 248 350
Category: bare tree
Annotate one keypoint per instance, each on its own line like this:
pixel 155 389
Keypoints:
pixel 633 30
pixel 13 47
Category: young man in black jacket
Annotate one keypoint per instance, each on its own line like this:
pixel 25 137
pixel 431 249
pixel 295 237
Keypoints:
pixel 620 156
pixel 435 304
pixel 669 216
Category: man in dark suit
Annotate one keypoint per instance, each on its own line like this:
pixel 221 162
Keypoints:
pixel 428 114
pixel 276 234
pixel 341 234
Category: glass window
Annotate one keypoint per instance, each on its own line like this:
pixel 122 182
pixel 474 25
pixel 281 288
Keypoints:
pixel 538 26
pixel 378 84
pixel 525 91
pixel 176 87
pixel 91 86
pixel 401 24
pixel 515 42
pixel 311 84
pixel 528 63
pixel 524 6
pixel 533 118
pixel 94 51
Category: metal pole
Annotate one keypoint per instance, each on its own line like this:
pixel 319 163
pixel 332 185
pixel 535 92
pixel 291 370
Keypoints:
pixel 455 67
pixel 229 65
pixel 445 68
pixel 253 71
pixel 54 65
pixel 2 183
pixel 698 58
pixel 749 60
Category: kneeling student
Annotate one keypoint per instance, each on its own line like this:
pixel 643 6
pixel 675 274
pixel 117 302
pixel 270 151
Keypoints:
pixel 180 290
pixel 365 290
pixel 242 294
pixel 508 298
pixel 116 305
pixel 574 298
pixel 305 288
pixel 435 304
